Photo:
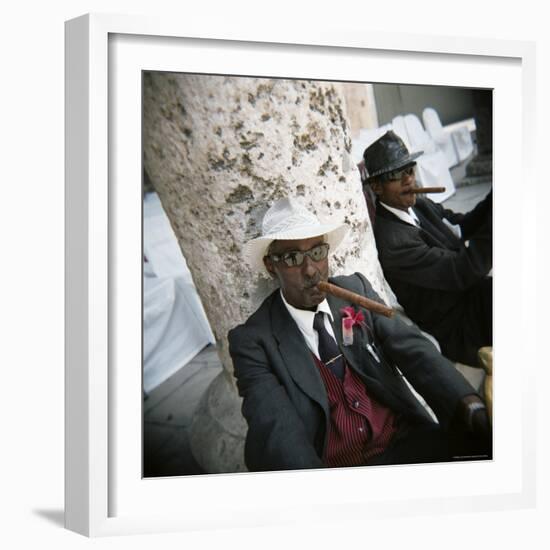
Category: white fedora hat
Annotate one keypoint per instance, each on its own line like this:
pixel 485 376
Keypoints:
pixel 287 219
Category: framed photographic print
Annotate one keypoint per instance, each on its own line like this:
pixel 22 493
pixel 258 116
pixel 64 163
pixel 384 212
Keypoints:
pixel 291 106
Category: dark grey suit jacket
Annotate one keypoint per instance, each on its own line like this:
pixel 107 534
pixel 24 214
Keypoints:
pixel 433 274
pixel 285 401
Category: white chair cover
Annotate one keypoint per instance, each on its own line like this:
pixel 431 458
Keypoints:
pixel 175 327
pixel 432 171
pixel 462 140
pixel 419 139
pixel 398 126
pixel 442 139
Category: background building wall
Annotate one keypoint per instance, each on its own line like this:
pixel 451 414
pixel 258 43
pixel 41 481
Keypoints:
pixel 360 106
pixel 452 104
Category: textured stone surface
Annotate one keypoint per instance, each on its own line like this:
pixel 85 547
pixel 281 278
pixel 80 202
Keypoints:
pixel 218 430
pixel 219 150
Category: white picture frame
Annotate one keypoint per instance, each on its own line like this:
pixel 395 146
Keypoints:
pixel 105 494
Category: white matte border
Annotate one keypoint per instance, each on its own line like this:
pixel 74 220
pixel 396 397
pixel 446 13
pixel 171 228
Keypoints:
pixel 209 501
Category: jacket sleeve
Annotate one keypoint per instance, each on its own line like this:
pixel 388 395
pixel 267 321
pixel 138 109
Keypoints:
pixel 456 218
pixel 276 438
pixel 432 375
pixel 410 259
pixel 478 221
pixel 474 223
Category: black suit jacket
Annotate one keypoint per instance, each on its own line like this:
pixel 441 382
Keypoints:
pixel 284 398
pixel 429 268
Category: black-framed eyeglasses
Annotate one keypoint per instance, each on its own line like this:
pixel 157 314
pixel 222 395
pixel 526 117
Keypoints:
pixel 295 258
pixel 396 175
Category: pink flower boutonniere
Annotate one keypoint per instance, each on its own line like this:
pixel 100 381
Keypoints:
pixel 350 319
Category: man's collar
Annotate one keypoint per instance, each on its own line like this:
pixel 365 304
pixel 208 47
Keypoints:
pixel 409 217
pixel 304 317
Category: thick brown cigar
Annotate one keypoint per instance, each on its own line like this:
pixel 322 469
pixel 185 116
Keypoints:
pixel 355 298
pixel 428 190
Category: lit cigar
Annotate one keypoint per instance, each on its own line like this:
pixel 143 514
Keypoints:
pixel 355 298
pixel 428 190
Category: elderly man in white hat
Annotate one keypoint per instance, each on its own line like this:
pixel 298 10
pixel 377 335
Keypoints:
pixel 322 379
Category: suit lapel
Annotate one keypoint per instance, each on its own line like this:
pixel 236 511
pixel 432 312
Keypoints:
pixel 433 230
pixel 356 354
pixel 436 229
pixel 296 355
pixel 359 358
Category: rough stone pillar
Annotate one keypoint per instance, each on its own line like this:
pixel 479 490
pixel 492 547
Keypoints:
pixel 219 150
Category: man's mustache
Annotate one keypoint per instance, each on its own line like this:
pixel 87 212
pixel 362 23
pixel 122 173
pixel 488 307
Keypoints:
pixel 313 282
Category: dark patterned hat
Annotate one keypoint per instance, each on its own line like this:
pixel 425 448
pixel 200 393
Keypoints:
pixel 386 154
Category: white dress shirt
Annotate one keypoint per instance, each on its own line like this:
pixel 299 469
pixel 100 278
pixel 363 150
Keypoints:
pixel 304 320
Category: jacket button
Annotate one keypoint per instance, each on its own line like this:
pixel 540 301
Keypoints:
pixel 356 404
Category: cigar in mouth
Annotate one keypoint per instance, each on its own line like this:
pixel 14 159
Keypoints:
pixel 357 299
pixel 428 190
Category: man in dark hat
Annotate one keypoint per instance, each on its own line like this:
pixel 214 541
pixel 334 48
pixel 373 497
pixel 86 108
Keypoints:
pixel 436 261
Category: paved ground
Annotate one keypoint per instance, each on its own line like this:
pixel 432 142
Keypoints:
pixel 467 197
pixel 167 414
pixel 169 408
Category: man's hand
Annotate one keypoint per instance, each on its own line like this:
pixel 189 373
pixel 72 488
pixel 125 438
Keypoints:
pixel 474 417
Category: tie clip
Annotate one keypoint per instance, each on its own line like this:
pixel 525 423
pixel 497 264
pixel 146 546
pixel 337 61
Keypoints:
pixel 333 359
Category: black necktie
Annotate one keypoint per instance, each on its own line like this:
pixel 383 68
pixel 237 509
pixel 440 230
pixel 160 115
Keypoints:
pixel 328 349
